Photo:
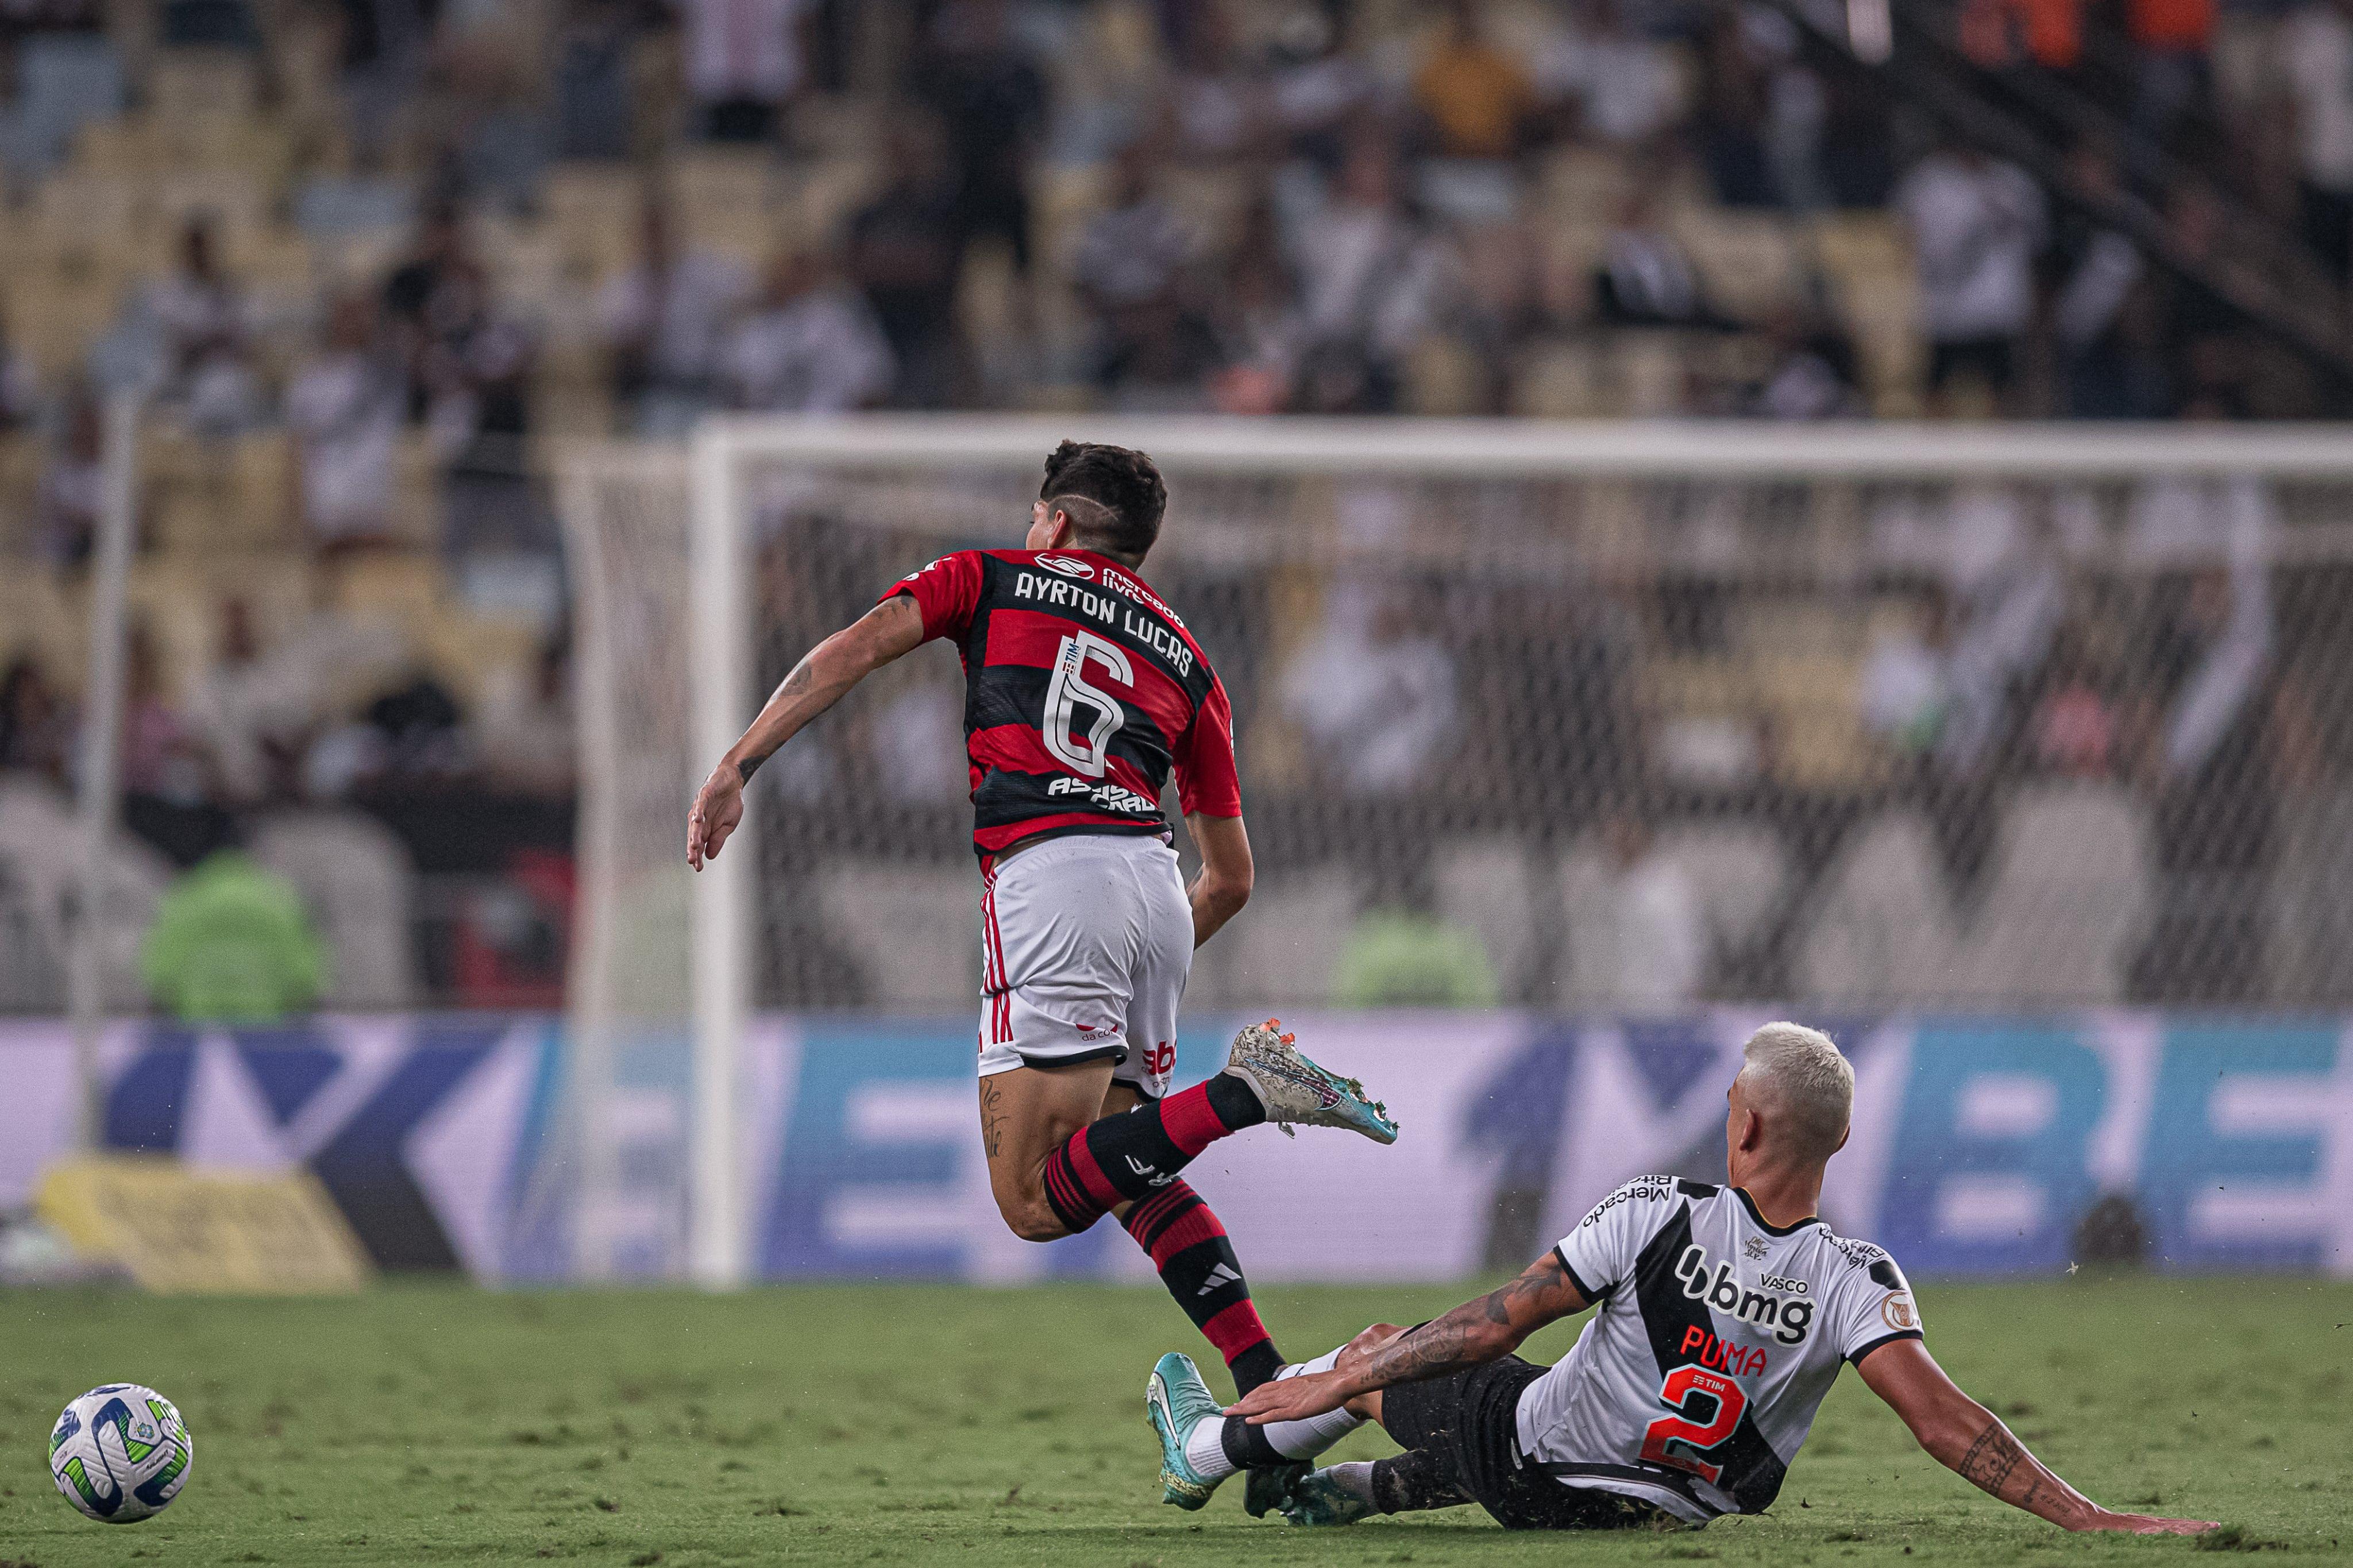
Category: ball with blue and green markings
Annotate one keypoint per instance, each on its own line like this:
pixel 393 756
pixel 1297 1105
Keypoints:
pixel 121 1453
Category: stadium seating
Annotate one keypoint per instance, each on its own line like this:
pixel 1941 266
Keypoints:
pixel 40 846
pixel 1490 887
pixel 358 882
pixel 913 932
pixel 1297 925
pixel 2065 900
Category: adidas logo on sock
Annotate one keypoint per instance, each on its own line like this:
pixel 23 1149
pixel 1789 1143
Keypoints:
pixel 1219 1275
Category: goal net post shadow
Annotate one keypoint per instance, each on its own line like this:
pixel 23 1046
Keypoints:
pixel 1564 613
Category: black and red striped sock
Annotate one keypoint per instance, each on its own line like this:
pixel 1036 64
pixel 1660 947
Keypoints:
pixel 1138 1154
pixel 1197 1264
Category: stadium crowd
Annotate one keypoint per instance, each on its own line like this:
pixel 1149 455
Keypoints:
pixel 366 259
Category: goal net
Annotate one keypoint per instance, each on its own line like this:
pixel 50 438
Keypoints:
pixel 1617 720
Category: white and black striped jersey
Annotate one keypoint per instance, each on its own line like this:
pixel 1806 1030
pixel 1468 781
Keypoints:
pixel 1716 1337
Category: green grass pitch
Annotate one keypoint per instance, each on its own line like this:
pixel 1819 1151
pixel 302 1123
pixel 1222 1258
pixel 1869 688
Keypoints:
pixel 423 1424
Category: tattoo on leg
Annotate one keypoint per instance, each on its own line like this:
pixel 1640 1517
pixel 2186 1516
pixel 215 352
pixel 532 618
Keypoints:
pixel 992 1118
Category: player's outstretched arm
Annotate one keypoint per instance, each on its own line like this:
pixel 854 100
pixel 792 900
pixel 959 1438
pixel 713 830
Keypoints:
pixel 829 669
pixel 1223 884
pixel 1970 1440
pixel 1476 1331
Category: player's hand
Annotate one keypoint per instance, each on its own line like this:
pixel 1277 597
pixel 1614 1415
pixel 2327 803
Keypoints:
pixel 1292 1398
pixel 2150 1524
pixel 718 807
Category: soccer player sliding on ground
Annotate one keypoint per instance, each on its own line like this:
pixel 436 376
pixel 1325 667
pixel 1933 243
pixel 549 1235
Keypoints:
pixel 1083 690
pixel 1726 1315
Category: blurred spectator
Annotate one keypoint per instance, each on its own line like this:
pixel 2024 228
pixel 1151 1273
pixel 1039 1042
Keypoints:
pixel 200 312
pixel 2315 58
pixel 1318 84
pixel 160 753
pixel 1661 950
pixel 1811 374
pixel 2208 745
pixel 254 711
pixel 2000 35
pixel 409 741
pixel 1907 684
pixel 1975 225
pixel 165 796
pixel 431 299
pixel 34 730
pixel 745 60
pixel 1732 126
pixel 1256 316
pixel 665 319
pixel 232 945
pixel 1218 111
pixel 1130 271
pixel 2109 366
pixel 1375 695
pixel 595 109
pixel 2208 371
pixel 68 74
pixel 20 385
pixel 2173 39
pixel 468 366
pixel 384 48
pixel 1374 282
pixel 344 408
pixel 1647 278
pixel 1859 140
pixel 2074 725
pixel 495 135
pixel 1475 95
pixel 67 502
pixel 424 730
pixel 904 253
pixel 991 100
pixel 527 732
pixel 1616 87
pixel 809 344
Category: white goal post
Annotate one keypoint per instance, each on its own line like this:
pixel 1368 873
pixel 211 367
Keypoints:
pixel 662 562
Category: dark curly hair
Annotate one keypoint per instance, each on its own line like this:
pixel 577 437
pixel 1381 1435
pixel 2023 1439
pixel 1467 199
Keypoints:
pixel 1125 488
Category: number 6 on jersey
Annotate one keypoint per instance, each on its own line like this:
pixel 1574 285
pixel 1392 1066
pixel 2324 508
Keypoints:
pixel 1070 688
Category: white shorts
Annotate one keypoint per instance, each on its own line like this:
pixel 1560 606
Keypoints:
pixel 1084 945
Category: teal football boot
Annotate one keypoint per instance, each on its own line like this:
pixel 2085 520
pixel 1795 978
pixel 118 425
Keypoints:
pixel 1177 1401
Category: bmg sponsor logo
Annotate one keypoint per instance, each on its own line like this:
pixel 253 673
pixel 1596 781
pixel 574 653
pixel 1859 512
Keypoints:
pixel 1785 1311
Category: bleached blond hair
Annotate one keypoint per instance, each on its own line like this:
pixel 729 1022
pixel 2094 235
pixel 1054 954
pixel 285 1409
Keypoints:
pixel 1798 1075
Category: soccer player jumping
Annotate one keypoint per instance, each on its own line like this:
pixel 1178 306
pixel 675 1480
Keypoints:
pixel 1726 1315
pixel 1084 691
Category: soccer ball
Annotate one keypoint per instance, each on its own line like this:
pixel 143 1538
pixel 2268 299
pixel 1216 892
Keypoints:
pixel 121 1453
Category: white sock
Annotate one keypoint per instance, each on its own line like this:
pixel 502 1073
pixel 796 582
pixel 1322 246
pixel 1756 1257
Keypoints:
pixel 1204 1450
pixel 1305 1439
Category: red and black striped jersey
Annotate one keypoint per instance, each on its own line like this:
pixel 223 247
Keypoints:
pixel 1082 690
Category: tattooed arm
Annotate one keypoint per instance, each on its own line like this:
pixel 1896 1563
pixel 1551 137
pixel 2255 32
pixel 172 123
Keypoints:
pixel 887 630
pixel 1475 1332
pixel 1970 1440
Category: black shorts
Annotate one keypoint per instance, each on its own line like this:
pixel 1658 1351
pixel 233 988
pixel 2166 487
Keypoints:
pixel 1470 1421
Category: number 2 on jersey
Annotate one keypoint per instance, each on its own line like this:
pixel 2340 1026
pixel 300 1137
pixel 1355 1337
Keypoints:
pixel 1070 687
pixel 1686 1387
